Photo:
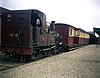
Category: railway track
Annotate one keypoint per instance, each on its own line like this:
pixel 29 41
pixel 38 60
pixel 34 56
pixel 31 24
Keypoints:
pixel 8 63
pixel 5 67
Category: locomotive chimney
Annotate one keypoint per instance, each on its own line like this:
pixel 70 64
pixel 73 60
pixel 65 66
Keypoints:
pixel 52 25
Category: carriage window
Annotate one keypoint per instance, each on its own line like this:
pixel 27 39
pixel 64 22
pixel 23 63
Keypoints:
pixel 9 17
pixel 76 33
pixel 71 32
pixel 21 16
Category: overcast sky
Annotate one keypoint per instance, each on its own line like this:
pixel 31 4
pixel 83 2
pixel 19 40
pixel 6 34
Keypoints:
pixel 83 14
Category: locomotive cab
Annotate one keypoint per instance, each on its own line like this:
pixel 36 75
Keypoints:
pixel 38 25
pixel 38 22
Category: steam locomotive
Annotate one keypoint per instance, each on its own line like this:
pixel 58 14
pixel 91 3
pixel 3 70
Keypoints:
pixel 25 34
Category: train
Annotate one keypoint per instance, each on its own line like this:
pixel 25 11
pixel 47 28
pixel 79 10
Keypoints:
pixel 25 34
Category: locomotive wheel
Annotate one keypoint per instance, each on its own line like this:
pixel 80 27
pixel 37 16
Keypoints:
pixel 44 53
pixel 66 48
pixel 60 49
pixel 47 53
pixel 40 54
pixel 34 56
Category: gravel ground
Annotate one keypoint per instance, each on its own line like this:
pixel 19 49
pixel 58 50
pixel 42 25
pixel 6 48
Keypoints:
pixel 80 63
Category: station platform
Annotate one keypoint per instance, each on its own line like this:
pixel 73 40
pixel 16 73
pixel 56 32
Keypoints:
pixel 83 62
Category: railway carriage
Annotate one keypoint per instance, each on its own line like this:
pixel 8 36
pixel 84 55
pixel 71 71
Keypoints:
pixel 68 33
pixel 76 38
pixel 87 37
pixel 72 36
pixel 83 37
